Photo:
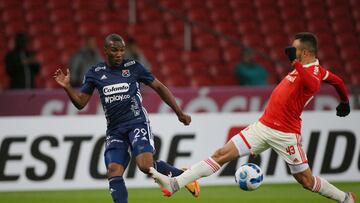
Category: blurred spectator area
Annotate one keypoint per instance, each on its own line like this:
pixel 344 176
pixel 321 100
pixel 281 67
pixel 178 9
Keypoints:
pixel 57 28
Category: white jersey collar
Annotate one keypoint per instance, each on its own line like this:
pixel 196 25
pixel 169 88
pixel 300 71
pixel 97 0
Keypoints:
pixel 312 64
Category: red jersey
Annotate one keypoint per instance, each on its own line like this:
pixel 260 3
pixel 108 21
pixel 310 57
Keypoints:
pixel 294 92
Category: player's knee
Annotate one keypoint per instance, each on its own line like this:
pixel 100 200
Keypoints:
pixel 114 170
pixel 145 168
pixel 307 182
pixel 219 156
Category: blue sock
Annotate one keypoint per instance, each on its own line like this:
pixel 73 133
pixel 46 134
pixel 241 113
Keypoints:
pixel 118 189
pixel 166 169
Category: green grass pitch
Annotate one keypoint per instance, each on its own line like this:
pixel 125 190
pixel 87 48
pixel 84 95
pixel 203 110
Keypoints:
pixel 273 193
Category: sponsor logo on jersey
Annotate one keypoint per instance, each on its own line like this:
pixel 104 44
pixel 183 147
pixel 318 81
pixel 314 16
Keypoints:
pixel 290 78
pixel 316 70
pixel 103 77
pixel 129 63
pixel 125 73
pixel 116 88
pixel 118 97
pixel 100 68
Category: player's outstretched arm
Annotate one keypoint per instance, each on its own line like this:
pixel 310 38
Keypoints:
pixel 79 99
pixel 169 99
pixel 343 109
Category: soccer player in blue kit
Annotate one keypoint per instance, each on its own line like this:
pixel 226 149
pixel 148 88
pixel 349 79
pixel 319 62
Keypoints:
pixel 128 127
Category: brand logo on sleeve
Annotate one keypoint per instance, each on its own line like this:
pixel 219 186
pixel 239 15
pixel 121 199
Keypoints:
pixel 129 63
pixel 116 88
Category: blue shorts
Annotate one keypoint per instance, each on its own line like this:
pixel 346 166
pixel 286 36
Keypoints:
pixel 134 138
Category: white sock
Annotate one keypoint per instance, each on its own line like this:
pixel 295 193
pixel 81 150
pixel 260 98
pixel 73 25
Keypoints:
pixel 201 169
pixel 328 190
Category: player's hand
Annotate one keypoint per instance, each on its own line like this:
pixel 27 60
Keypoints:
pixel 290 53
pixel 61 78
pixel 184 118
pixel 343 109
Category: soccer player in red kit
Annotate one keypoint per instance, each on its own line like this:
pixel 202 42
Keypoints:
pixel 279 127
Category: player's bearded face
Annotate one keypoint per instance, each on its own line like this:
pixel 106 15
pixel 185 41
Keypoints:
pixel 115 52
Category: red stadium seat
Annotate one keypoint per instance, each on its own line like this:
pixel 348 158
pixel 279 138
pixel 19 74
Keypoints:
pixel 111 27
pixel 276 40
pixel 319 25
pixel 38 15
pixel 168 55
pixel 34 4
pixel 215 4
pixel 232 54
pixel 248 28
pixel 89 5
pixel 236 4
pixel 89 29
pixel 150 15
pixel 265 4
pixel 111 16
pixel 156 29
pixel 254 41
pixel 345 39
pixel 244 15
pixel 11 15
pixel 56 4
pixel 272 26
pixel 196 68
pixel 291 13
pixel 191 56
pixel 202 80
pixel 5 5
pixel 340 13
pixel 44 43
pixel 39 28
pixel 295 26
pixel 145 41
pixel 90 16
pixel 268 13
pixel 211 55
pixel 327 52
pixel 343 25
pixel 221 15
pixel 200 15
pixel 226 28
pixel 48 56
pixel 167 43
pixel 316 11
pixel 286 4
pixel 61 15
pixel 68 43
pixel 353 67
pixel 176 27
pixel 172 69
pixel 350 53
pixel 205 41
pixel 334 3
pixel 65 28
pixel 14 27
pixel 190 4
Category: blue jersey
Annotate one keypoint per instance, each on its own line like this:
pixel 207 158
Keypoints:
pixel 119 90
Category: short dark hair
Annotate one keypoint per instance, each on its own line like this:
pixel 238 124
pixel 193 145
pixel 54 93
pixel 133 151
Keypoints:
pixel 114 38
pixel 309 40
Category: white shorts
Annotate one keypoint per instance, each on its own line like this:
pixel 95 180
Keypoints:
pixel 258 138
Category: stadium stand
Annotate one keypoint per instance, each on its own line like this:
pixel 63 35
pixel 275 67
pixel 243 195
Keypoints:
pixel 57 27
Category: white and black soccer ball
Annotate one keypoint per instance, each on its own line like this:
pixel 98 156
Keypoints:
pixel 249 177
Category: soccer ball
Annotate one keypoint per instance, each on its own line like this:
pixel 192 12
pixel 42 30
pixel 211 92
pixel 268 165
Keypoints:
pixel 249 176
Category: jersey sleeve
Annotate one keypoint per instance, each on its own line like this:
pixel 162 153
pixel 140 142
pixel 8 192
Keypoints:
pixel 88 85
pixel 145 76
pixel 338 84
